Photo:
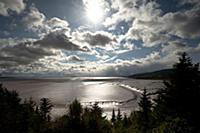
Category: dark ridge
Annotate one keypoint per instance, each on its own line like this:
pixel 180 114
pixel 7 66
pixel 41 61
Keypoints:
pixel 160 74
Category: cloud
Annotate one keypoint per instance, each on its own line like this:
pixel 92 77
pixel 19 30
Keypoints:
pixel 58 40
pixel 99 38
pixel 25 54
pixel 184 24
pixel 153 27
pixel 174 47
pixel 11 5
pixel 61 47
pixel 57 23
pixel 34 19
pixel 21 54
pixel 128 10
pixel 122 12
pixel 188 1
pixel 37 21
pixel 74 58
pixel 144 17
pixel 127 67
pixel 150 36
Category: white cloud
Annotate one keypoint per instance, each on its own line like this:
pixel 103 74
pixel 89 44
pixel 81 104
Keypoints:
pixel 74 58
pixel 56 24
pixel 11 5
pixel 34 19
pixel 128 10
pixel 153 27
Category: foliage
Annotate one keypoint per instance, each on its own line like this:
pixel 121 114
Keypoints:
pixel 181 95
pixel 45 108
pixel 113 119
pixel 18 117
pixel 145 112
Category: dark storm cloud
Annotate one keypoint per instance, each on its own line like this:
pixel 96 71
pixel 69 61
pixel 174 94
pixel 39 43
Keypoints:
pixel 11 5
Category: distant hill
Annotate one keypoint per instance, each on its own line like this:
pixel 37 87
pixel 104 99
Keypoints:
pixel 161 74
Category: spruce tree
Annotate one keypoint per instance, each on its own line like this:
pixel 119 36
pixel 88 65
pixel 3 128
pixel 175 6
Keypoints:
pixel 119 115
pixel 75 113
pixel 145 111
pixel 180 97
pixel 45 108
pixel 113 119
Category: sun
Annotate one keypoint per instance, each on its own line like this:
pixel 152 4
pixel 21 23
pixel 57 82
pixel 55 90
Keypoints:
pixel 94 11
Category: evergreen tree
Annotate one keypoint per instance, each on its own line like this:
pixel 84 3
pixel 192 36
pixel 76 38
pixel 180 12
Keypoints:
pixel 119 115
pixel 45 108
pixel 181 95
pixel 98 123
pixel 145 111
pixel 75 112
pixel 11 119
pixel 17 117
pixel 125 121
pixel 113 119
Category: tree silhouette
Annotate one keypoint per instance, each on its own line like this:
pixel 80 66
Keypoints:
pixel 11 119
pixel 45 108
pixel 15 116
pixel 145 111
pixel 113 119
pixel 181 95
pixel 75 111
pixel 119 115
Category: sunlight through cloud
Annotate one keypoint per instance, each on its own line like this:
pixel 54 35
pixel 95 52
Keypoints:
pixel 94 10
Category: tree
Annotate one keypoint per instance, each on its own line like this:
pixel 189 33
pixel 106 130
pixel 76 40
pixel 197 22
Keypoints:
pixel 11 119
pixel 119 115
pixel 113 119
pixel 75 112
pixel 96 122
pixel 181 95
pixel 145 111
pixel 45 108
pixel 175 125
pixel 125 121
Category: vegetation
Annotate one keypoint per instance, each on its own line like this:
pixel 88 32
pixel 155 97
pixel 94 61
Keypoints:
pixel 175 110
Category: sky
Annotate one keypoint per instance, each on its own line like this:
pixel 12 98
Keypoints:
pixel 96 37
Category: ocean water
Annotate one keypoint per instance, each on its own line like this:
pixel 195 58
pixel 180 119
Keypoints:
pixel 109 92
